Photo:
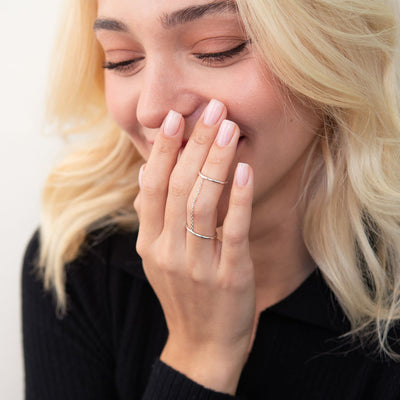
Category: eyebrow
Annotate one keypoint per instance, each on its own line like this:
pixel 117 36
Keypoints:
pixel 109 24
pixel 195 12
pixel 178 17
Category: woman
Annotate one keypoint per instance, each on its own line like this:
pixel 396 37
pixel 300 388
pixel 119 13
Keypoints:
pixel 268 249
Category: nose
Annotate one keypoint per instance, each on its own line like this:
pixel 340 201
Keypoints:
pixel 164 88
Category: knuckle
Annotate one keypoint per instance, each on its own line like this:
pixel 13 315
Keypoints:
pixel 165 262
pixel 233 238
pixel 150 188
pixel 136 204
pixel 216 160
pixel 196 276
pixel 140 247
pixel 177 187
pixel 163 147
pixel 199 277
pixel 240 201
pixel 164 257
pixel 162 263
pixel 202 137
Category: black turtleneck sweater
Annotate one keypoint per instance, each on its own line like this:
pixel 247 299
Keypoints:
pixel 107 346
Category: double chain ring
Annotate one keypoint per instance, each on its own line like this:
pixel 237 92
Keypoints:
pixel 191 228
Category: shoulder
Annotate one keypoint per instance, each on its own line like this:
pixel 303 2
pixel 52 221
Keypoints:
pixel 106 258
pixel 112 247
pixel 31 255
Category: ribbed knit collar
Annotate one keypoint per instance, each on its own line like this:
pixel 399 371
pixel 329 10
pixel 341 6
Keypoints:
pixel 314 303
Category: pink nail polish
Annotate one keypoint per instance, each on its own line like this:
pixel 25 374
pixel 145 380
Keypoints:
pixel 140 177
pixel 225 133
pixel 242 174
pixel 213 112
pixel 172 123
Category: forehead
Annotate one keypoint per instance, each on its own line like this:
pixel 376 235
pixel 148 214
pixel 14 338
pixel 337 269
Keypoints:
pixel 125 15
pixel 152 8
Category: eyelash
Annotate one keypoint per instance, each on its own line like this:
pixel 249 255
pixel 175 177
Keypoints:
pixel 206 58
pixel 209 58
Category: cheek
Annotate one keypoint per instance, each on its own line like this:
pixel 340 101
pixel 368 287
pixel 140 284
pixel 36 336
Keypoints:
pixel 252 101
pixel 260 101
pixel 121 103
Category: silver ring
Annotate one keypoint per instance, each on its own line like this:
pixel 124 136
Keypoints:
pixel 191 228
pixel 198 234
pixel 211 179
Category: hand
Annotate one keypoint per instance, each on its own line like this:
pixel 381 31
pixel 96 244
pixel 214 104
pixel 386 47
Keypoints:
pixel 206 287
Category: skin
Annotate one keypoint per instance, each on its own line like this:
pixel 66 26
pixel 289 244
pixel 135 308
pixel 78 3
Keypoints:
pixel 211 291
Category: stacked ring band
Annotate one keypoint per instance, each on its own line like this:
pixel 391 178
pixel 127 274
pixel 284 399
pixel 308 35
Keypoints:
pixel 211 179
pixel 190 228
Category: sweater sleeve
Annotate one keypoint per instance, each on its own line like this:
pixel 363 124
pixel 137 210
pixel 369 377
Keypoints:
pixel 72 357
pixel 166 383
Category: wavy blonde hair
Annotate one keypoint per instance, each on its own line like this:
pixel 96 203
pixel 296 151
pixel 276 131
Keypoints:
pixel 93 187
pixel 340 58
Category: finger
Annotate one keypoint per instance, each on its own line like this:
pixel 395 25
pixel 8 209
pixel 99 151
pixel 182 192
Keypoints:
pixel 204 198
pixel 235 254
pixel 190 162
pixel 155 178
pixel 137 201
pixel 136 205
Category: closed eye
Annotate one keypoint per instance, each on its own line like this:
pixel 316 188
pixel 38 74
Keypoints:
pixel 221 56
pixel 122 66
pixel 206 58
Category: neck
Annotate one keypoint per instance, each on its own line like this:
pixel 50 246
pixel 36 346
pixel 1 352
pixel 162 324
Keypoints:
pixel 280 257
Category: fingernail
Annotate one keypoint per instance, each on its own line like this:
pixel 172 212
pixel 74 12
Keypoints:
pixel 213 112
pixel 242 174
pixel 141 175
pixel 172 122
pixel 225 133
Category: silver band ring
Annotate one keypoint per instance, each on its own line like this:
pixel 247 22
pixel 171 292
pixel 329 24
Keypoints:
pixel 211 179
pixel 198 234
pixel 191 228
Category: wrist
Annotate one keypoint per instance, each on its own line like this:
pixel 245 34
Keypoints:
pixel 214 369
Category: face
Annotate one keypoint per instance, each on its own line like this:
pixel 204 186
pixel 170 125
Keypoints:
pixel 162 55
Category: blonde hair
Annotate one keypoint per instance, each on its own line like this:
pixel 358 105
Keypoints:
pixel 93 188
pixel 341 58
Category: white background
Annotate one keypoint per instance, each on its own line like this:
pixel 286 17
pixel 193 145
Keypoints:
pixel 26 38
